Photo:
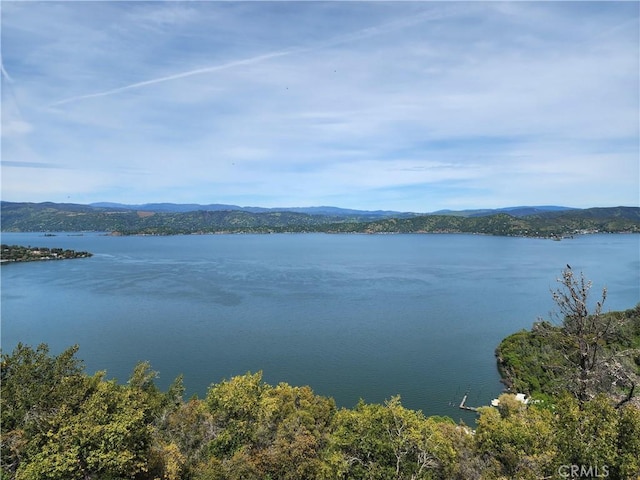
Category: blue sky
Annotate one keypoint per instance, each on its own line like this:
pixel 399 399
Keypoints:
pixel 414 106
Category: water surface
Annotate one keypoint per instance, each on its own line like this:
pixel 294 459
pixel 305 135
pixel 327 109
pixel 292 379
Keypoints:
pixel 353 316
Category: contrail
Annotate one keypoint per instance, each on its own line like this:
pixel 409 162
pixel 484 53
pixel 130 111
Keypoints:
pixel 10 83
pixel 345 38
pixel 394 25
pixel 198 71
pixel 5 74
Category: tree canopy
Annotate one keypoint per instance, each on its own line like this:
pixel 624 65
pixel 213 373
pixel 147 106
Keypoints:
pixel 60 423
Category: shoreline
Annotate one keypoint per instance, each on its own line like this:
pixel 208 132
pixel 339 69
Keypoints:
pixel 20 254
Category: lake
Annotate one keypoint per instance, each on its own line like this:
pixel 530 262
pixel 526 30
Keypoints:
pixel 353 316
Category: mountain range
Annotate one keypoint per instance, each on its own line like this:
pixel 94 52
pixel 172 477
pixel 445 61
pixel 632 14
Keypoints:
pixel 217 207
pixel 169 218
pixel 324 210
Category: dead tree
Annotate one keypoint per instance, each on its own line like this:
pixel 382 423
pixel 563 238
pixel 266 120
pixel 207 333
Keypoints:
pixel 593 364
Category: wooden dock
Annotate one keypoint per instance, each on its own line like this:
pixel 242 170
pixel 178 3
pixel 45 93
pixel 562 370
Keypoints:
pixel 462 405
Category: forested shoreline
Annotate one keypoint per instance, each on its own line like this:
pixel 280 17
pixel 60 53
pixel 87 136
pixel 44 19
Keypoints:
pixel 19 253
pixel 49 217
pixel 532 361
pixel 58 422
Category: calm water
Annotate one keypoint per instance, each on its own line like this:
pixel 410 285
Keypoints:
pixel 354 316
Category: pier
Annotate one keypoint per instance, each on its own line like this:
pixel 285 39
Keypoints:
pixel 521 397
pixel 462 405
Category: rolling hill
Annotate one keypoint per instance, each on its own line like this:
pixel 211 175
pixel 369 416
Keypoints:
pixel 166 219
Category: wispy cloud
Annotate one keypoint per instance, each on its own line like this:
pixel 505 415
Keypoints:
pixel 405 105
pixel 362 34
pixel 14 127
pixel 10 163
pixel 177 76
pixel 5 75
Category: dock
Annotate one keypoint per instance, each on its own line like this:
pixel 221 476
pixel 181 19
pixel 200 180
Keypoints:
pixel 462 405
pixel 521 397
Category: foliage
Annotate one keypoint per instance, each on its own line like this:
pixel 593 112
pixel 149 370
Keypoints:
pixel 587 354
pixel 588 432
pixel 529 442
pixel 60 423
pixel 34 385
pixel 519 440
pixel 268 432
pixel 525 361
pixel 104 435
pixel 628 465
pixel 389 441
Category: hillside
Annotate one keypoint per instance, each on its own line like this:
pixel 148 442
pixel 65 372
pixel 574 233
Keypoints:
pixel 214 207
pixel 530 360
pixel 52 217
pixel 547 224
pixel 33 217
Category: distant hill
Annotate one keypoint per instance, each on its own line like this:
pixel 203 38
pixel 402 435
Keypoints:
pixel 168 218
pixel 521 211
pixel 594 213
pixel 166 207
pixel 554 224
pixel 216 207
pixel 161 219
pixel 326 210
pixel 513 211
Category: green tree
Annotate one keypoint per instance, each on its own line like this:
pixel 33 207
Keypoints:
pixel 181 439
pixel 388 441
pixel 293 426
pixel 517 441
pixel 34 385
pixel 266 432
pixel 587 433
pixel 103 436
pixel 628 465
pixel 235 406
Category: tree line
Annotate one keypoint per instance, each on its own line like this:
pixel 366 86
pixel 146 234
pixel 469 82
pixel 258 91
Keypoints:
pixel 60 423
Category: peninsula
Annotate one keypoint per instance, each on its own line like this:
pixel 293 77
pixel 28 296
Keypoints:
pixel 17 253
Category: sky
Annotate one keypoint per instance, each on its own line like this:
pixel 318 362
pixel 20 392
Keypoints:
pixel 409 106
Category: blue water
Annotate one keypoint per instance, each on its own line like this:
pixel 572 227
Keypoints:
pixel 353 316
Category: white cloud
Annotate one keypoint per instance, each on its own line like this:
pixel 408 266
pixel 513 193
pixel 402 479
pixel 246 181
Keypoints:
pixel 12 128
pixel 293 103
